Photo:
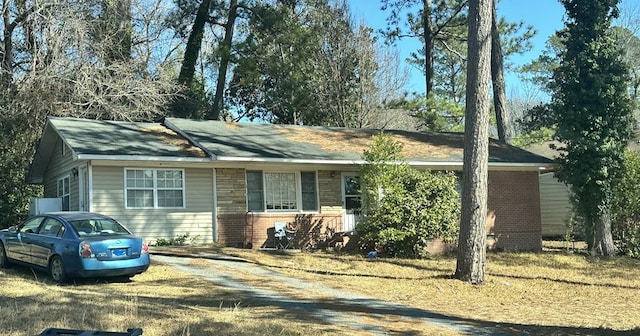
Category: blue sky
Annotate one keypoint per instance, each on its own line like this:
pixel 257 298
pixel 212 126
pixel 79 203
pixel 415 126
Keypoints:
pixel 546 16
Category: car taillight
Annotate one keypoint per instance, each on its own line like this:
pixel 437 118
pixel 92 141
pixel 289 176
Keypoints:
pixel 86 251
pixel 145 247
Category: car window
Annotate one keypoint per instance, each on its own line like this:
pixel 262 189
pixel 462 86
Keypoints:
pixel 52 227
pixel 94 227
pixel 31 225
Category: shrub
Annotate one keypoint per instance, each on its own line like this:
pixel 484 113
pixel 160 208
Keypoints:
pixel 405 208
pixel 625 208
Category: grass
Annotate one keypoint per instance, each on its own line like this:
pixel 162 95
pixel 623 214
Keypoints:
pixel 550 293
pixel 545 293
pixel 161 301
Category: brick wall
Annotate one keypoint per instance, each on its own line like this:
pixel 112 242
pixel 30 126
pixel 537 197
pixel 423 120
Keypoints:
pixel 256 230
pixel 231 190
pixel 330 192
pixel 238 228
pixel 514 200
pixel 513 204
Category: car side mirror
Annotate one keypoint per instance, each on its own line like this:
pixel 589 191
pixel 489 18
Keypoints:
pixel 13 228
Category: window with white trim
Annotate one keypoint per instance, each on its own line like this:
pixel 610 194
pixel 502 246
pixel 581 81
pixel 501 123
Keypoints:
pixel 154 188
pixel 282 191
pixel 64 192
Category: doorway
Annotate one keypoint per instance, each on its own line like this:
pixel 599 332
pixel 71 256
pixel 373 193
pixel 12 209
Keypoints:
pixel 351 201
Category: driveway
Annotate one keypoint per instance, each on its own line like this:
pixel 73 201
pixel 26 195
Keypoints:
pixel 355 311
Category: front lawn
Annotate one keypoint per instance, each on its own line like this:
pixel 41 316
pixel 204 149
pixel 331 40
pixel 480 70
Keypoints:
pixel 541 293
pixel 550 293
pixel 161 301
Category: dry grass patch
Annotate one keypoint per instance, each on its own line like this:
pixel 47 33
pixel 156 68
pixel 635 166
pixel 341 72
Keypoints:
pixel 544 291
pixel 161 301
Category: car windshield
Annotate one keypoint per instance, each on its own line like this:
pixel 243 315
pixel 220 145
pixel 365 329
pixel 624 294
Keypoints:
pixel 95 227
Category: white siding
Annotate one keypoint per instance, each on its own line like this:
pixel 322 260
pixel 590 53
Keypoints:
pixel 196 218
pixel 60 166
pixel 555 207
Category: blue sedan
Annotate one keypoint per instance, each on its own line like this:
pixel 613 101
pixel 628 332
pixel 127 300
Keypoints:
pixel 74 244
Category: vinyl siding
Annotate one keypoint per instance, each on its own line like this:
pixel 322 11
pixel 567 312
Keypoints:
pixel 195 219
pixel 59 167
pixel 555 207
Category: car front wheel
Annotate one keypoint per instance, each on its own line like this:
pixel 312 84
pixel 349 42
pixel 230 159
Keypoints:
pixel 4 262
pixel 56 269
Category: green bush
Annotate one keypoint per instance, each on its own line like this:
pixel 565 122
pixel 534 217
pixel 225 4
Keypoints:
pixel 405 208
pixel 625 209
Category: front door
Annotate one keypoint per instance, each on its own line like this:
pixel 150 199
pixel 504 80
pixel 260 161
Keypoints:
pixel 351 201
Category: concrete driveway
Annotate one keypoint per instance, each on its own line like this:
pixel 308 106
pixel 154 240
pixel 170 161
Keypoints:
pixel 355 311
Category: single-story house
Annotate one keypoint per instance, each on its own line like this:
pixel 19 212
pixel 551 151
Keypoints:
pixel 232 182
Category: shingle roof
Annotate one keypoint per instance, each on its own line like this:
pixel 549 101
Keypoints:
pixel 288 142
pixel 103 137
pixel 206 140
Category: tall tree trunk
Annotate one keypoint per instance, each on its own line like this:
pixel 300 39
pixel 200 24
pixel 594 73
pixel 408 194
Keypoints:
pixel 497 76
pixel 603 238
pixel 471 244
pixel 194 44
pixel 427 35
pixel 6 67
pixel 225 57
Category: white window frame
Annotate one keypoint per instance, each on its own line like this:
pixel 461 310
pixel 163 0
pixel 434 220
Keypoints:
pixel 64 194
pixel 155 188
pixel 298 192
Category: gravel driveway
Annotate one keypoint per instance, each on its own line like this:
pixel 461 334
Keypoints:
pixel 220 270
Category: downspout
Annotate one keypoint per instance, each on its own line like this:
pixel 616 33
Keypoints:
pixel 214 211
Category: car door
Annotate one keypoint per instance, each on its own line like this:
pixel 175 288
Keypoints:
pixel 44 243
pixel 18 245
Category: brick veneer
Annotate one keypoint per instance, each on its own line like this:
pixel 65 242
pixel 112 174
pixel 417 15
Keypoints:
pixel 514 213
pixel 514 199
pixel 256 230
pixel 239 228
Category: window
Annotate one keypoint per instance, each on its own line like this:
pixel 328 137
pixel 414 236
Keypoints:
pixel 154 188
pixel 52 227
pixel 280 191
pixel 64 192
pixel 255 191
pixel 309 192
pixel 31 226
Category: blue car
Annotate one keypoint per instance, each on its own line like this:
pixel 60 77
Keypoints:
pixel 74 244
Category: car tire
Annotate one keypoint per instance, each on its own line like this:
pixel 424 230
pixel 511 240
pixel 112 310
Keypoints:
pixel 4 261
pixel 57 271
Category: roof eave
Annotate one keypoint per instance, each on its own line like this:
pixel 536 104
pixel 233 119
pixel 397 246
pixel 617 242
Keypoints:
pixel 141 158
pixel 497 165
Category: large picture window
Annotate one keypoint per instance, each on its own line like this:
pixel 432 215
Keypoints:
pixel 64 190
pixel 154 188
pixel 281 191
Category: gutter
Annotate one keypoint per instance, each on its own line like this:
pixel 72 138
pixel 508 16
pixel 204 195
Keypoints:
pixel 139 158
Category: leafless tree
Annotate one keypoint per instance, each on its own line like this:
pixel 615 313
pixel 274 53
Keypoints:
pixel 74 74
